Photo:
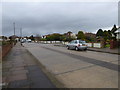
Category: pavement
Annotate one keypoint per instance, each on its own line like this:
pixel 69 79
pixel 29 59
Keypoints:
pixel 104 50
pixel 21 70
pixel 77 69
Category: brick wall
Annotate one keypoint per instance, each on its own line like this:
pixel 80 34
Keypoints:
pixel 114 44
pixel 6 49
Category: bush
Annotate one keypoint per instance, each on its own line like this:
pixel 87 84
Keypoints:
pixel 107 45
pixel 2 43
pixel 43 39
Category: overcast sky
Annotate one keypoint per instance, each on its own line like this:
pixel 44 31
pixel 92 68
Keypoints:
pixel 57 17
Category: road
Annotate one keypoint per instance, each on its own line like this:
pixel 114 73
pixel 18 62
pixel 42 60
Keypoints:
pixel 77 69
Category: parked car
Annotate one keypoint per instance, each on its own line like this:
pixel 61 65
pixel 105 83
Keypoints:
pixel 77 45
pixel 22 40
pixel 29 40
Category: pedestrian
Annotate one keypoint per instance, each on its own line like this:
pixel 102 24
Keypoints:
pixel 21 43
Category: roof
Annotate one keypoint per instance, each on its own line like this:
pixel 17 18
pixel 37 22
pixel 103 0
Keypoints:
pixel 118 30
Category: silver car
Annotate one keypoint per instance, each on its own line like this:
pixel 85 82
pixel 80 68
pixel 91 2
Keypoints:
pixel 77 45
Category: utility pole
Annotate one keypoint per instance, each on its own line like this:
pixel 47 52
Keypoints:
pixel 14 33
pixel 14 28
pixel 21 32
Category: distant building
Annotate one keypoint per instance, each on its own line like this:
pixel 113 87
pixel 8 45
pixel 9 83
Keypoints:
pixel 88 34
pixel 44 36
pixel 69 33
pixel 73 35
pixel 3 38
pixel 13 37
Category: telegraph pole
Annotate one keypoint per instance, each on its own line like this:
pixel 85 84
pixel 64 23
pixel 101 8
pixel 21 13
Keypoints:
pixel 21 36
pixel 21 32
pixel 14 32
pixel 14 28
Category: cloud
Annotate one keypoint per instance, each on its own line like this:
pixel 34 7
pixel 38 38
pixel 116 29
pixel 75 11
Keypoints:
pixel 58 17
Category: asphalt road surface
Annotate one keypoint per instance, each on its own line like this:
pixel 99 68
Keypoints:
pixel 77 69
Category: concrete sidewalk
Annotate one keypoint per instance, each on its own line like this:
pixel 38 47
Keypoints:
pixel 21 70
pixel 106 50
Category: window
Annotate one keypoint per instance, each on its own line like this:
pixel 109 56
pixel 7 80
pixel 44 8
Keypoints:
pixel 76 42
pixel 81 41
pixel 72 42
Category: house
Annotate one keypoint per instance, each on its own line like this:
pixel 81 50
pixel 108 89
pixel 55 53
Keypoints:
pixel 44 36
pixel 116 34
pixel 13 37
pixel 88 34
pixel 73 35
pixel 3 38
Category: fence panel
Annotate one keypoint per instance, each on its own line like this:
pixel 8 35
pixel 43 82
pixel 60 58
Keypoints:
pixel 97 45
pixel 89 44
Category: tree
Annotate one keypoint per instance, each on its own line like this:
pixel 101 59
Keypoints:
pixel 80 35
pixel 90 39
pixel 62 37
pixel 43 39
pixel 106 35
pixel 54 37
pixel 32 37
pixel 49 38
pixel 99 33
